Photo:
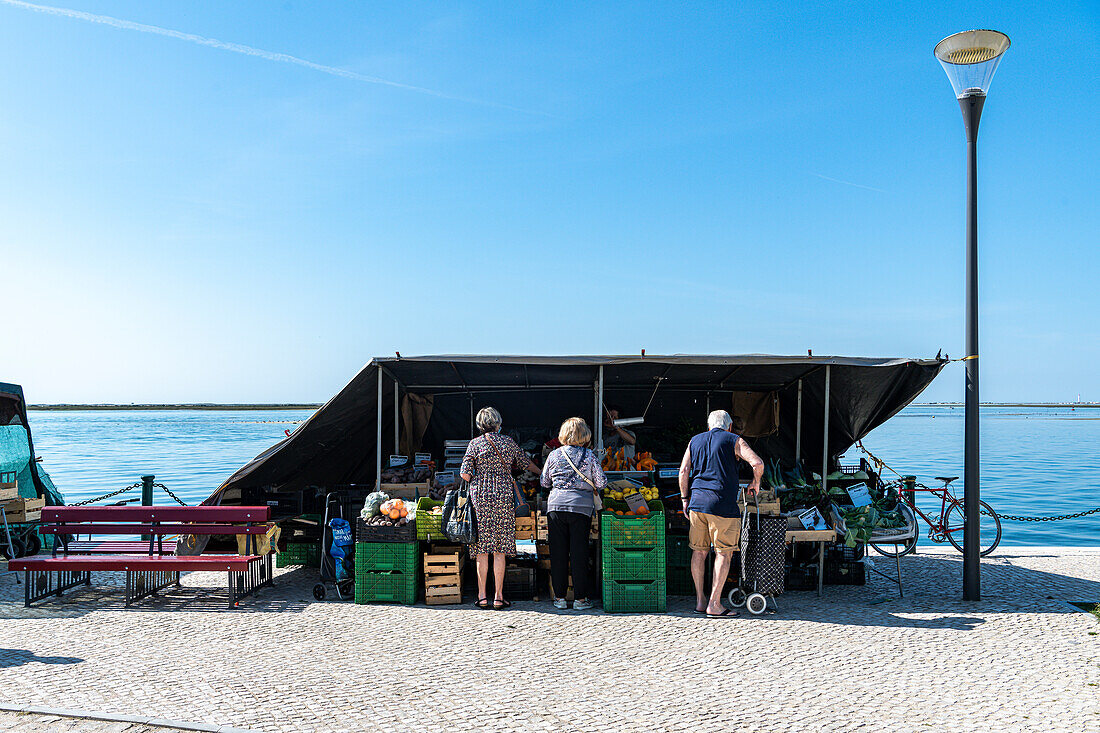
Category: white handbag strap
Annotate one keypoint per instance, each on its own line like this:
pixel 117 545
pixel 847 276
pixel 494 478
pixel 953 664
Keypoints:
pixel 578 471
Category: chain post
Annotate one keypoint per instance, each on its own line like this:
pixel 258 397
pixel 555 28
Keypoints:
pixel 147 490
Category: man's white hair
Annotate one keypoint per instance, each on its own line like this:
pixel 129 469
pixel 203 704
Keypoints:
pixel 719 419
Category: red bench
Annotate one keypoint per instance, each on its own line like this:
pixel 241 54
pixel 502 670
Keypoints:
pixel 148 566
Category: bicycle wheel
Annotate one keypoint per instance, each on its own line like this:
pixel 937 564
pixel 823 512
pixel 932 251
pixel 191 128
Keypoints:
pixel 896 550
pixel 989 529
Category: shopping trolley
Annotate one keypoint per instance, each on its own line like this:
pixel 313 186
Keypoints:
pixel 763 553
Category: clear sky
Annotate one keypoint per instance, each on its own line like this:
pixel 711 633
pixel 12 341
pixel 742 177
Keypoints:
pixel 244 202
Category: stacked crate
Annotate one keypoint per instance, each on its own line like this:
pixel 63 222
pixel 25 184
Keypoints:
pixel 633 561
pixel 443 575
pixel 307 554
pixel 387 572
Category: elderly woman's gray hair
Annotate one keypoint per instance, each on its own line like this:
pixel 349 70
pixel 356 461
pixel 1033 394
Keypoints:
pixel 719 419
pixel 488 420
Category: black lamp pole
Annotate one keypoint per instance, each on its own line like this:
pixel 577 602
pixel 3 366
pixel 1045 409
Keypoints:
pixel 972 574
pixel 970 58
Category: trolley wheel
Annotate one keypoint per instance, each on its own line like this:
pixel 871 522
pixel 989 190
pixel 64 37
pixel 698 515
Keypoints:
pixel 17 549
pixel 32 543
pixel 756 604
pixel 736 597
pixel 319 591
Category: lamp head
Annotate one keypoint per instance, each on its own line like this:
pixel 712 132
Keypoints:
pixel 970 58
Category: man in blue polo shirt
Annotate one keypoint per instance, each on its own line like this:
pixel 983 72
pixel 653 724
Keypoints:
pixel 709 489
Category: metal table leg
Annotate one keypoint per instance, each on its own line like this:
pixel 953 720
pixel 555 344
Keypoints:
pixel 820 567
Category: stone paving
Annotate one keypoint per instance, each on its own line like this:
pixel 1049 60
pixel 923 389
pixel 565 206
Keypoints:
pixel 859 658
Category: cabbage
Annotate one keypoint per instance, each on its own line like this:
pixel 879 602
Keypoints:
pixel 373 502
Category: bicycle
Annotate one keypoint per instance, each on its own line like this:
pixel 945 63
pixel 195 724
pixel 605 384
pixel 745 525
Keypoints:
pixel 949 525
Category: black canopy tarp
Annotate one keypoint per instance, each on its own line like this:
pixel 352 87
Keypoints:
pixel 338 443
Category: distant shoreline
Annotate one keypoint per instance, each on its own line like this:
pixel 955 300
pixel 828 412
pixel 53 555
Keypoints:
pixel 314 406
pixel 181 406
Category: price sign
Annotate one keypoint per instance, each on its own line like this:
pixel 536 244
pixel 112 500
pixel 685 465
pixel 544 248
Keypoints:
pixel 422 458
pixel 812 519
pixel 859 494
pixel 634 501
pixel 668 472
pixel 445 478
pixel 398 461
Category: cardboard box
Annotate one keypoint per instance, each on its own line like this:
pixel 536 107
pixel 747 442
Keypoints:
pixel 24 510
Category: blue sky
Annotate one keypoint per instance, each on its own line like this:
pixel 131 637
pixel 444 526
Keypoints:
pixel 182 221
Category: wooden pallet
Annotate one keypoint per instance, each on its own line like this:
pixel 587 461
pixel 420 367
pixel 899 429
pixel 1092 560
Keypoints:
pixel 442 577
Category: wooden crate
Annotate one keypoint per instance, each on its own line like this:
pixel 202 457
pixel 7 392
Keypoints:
pixel 525 528
pixel 9 491
pixel 442 578
pixel 764 507
pixel 406 491
pixel 24 510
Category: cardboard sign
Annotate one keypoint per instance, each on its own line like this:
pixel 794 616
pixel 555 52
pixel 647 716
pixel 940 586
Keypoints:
pixel 812 519
pixel 859 494
pixel 635 502
pixel 422 458
pixel 624 484
pixel 398 461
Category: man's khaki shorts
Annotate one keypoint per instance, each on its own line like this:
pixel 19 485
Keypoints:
pixel 707 530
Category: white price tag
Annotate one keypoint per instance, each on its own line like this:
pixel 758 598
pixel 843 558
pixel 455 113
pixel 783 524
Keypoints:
pixel 859 494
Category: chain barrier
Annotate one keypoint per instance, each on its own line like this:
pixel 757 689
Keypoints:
pixel 1060 518
pixel 169 492
pixel 108 496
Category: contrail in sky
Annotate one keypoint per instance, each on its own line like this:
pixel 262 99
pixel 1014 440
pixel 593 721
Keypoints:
pixel 242 49
pixel 834 180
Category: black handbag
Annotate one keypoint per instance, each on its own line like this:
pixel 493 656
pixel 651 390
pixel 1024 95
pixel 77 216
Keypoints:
pixel 459 521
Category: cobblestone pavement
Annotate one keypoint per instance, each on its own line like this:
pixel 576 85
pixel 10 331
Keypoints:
pixel 860 658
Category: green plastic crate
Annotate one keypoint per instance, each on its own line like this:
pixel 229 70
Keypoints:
pixel 677 551
pixel 299 553
pixel 634 596
pixel 646 563
pixel 634 532
pixel 387 588
pixel 384 557
pixel 428 526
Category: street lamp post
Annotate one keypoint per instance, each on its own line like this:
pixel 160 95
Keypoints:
pixel 970 58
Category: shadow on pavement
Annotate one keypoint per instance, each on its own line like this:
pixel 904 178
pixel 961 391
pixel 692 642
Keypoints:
pixel 18 657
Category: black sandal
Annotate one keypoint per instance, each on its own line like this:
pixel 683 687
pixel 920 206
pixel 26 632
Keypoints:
pixel 501 605
pixel 482 603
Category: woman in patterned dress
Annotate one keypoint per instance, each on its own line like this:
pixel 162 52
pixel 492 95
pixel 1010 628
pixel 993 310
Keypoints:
pixel 487 466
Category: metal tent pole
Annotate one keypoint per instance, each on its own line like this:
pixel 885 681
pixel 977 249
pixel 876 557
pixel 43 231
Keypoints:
pixel 599 418
pixel 396 417
pixel 596 415
pixel 825 439
pixel 798 427
pixel 378 438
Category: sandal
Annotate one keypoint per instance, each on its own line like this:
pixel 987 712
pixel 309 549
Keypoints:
pixel 726 613
pixel 482 603
pixel 501 605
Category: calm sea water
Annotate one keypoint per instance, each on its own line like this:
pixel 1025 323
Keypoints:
pixel 1035 461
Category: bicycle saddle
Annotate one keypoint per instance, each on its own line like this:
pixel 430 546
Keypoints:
pixel 947 479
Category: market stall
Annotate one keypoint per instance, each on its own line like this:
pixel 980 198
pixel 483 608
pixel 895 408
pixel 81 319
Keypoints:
pixel 408 418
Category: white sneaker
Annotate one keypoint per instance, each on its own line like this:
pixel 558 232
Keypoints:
pixel 561 604
pixel 582 605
